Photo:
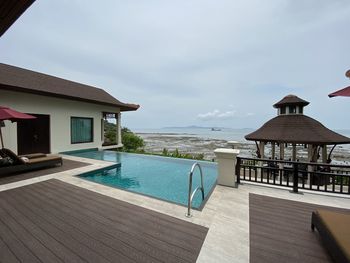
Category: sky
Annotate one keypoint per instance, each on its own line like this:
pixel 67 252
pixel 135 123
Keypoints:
pixel 193 62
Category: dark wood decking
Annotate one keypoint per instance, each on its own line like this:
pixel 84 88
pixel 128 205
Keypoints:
pixel 67 165
pixel 53 221
pixel 280 231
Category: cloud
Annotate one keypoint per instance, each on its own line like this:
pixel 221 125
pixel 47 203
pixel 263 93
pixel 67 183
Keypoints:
pixel 245 56
pixel 216 114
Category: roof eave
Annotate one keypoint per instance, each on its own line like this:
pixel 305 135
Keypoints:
pixel 122 106
pixel 297 142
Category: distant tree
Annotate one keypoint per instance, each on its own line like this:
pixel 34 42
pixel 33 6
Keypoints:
pixel 109 133
pixel 131 141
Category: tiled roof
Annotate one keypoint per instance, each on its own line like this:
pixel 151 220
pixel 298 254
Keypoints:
pixel 23 80
pixel 296 128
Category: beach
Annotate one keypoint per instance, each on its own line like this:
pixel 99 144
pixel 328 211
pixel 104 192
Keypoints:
pixel 204 141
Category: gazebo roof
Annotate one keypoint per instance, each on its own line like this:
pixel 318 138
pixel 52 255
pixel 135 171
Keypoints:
pixel 291 100
pixel 296 128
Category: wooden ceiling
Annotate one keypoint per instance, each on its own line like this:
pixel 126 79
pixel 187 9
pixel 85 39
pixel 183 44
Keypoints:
pixel 10 11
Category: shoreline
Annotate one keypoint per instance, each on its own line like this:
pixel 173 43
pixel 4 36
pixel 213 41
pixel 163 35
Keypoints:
pixel 194 144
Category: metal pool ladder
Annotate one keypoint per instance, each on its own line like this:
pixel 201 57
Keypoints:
pixel 190 194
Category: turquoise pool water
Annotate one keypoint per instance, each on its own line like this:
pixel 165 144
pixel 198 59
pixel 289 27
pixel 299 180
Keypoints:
pixel 160 177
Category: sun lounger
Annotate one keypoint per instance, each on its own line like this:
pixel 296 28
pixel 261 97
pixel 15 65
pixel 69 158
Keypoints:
pixel 34 161
pixel 334 230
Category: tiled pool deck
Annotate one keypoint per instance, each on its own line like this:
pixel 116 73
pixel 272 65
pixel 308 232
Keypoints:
pixel 226 213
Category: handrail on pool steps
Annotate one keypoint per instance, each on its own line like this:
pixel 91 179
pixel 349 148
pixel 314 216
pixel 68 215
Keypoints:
pixel 191 195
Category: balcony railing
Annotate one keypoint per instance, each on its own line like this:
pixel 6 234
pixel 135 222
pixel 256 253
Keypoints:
pixel 296 175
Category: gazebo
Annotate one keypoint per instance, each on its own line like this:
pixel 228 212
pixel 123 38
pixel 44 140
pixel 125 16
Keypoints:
pixel 292 127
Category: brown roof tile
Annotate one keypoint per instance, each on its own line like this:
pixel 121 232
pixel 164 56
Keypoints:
pixel 291 100
pixel 23 80
pixel 296 128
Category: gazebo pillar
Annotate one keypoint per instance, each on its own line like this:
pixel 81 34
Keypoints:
pixel 312 157
pixel 324 154
pixel 262 149
pixel 294 156
pixel 309 152
pixel 273 147
pixel 282 151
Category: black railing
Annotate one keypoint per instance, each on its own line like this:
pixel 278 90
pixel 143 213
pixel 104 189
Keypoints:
pixel 296 175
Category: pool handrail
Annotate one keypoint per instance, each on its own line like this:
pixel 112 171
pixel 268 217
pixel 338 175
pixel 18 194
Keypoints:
pixel 190 194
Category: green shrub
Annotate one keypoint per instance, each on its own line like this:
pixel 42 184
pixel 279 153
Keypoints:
pixel 109 133
pixel 200 156
pixel 165 152
pixel 131 141
pixel 177 154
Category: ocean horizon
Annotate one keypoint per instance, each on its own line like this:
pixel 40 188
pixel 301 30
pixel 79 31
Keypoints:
pixel 228 134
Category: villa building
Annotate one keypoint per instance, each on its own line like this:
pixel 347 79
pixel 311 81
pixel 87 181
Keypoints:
pixel 70 115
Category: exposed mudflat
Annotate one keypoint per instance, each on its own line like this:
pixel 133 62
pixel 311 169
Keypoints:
pixel 189 143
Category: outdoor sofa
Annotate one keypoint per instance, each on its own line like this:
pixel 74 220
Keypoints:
pixel 19 164
pixel 334 230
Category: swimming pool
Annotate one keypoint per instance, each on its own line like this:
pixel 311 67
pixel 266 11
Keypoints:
pixel 160 177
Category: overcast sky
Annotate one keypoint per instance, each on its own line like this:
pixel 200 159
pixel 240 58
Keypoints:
pixel 193 62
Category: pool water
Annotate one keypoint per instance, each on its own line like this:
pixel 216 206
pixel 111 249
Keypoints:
pixel 160 177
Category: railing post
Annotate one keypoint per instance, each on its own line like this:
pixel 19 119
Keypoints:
pixel 189 194
pixel 238 170
pixel 295 178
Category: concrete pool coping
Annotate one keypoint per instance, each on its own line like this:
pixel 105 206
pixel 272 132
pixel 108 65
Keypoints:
pixel 226 213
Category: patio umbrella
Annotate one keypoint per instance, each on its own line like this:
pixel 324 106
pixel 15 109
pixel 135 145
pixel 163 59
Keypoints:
pixel 343 92
pixel 12 115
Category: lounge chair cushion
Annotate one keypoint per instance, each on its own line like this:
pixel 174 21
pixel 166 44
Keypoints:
pixel 334 229
pixel 33 155
pixel 338 224
pixel 43 159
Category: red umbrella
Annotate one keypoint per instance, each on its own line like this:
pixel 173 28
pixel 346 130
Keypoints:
pixel 343 92
pixel 12 115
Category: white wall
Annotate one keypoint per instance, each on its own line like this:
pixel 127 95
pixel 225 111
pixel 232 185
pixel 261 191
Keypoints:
pixel 60 111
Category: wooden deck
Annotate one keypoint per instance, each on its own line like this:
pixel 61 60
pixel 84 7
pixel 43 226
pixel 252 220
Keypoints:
pixel 280 231
pixel 53 221
pixel 67 165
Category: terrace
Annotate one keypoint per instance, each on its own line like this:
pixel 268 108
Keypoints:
pixel 52 215
pixel 238 229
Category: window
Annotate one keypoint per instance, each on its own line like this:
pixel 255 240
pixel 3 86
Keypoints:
pixel 283 110
pixel 82 130
pixel 292 109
